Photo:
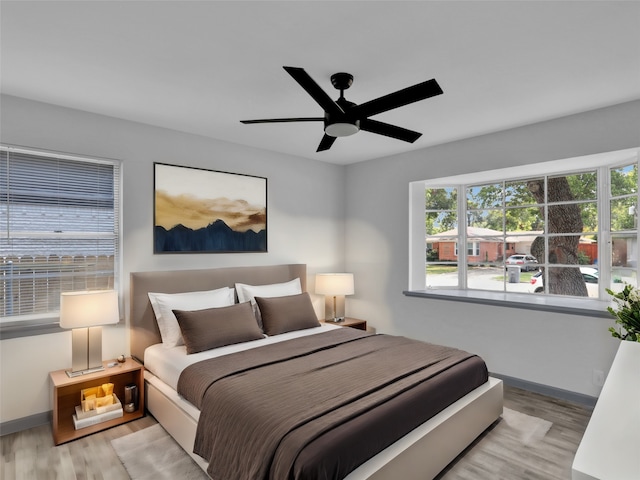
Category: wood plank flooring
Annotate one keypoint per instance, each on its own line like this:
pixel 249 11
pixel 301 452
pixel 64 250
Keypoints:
pixel 31 455
pixel 495 456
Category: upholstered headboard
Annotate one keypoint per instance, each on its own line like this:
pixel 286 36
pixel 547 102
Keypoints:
pixel 144 330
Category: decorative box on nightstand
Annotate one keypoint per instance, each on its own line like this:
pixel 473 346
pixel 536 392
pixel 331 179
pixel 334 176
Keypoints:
pixel 66 396
pixel 349 322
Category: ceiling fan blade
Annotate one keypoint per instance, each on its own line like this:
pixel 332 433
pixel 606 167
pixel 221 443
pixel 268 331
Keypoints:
pixel 408 95
pixel 283 120
pixel 325 143
pixel 389 130
pixel 313 89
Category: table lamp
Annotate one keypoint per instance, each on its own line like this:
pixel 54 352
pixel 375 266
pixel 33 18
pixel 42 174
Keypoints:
pixel 334 286
pixel 85 312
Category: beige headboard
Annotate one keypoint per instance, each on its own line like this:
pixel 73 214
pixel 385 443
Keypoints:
pixel 144 331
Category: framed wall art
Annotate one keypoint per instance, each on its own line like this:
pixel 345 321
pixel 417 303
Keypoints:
pixel 206 211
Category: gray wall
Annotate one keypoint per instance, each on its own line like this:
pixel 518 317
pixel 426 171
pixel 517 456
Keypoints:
pixel 313 207
pixel 305 220
pixel 557 350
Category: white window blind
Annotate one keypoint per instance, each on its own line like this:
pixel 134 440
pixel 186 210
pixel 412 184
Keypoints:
pixel 59 229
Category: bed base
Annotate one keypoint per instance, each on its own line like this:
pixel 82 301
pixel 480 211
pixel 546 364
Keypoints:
pixel 419 455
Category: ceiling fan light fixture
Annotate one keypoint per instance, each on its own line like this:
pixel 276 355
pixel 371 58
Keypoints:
pixel 342 129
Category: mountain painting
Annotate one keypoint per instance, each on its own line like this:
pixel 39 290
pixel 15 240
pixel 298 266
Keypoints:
pixel 206 211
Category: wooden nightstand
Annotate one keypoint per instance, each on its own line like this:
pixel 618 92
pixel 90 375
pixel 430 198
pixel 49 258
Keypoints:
pixel 66 395
pixel 350 322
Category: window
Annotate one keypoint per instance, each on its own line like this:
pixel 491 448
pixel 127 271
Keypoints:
pixel 473 249
pixel 553 229
pixel 59 231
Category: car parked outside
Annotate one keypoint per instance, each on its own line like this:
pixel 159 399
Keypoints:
pixel 525 262
pixel 589 274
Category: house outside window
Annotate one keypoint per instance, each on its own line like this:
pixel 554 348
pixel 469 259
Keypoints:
pixel 59 231
pixel 569 219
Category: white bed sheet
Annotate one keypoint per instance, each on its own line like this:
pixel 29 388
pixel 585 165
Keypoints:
pixel 167 363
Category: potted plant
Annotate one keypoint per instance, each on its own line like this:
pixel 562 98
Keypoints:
pixel 627 313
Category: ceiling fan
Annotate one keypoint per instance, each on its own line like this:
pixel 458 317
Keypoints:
pixel 343 118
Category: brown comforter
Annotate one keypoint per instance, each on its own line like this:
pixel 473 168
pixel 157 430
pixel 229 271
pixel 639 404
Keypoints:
pixel 319 406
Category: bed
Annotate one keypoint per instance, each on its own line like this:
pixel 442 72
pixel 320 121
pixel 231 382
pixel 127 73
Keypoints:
pixel 420 452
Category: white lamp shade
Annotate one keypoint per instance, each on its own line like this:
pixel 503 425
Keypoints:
pixel 88 309
pixel 334 284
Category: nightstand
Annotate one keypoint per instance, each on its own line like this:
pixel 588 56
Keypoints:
pixel 66 395
pixel 350 322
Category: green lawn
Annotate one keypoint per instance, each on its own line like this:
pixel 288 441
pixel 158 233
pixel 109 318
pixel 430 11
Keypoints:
pixel 525 277
pixel 435 269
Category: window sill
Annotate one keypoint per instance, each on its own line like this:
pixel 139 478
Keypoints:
pixel 566 305
pixel 26 329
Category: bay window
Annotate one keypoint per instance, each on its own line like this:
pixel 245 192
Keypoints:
pixel 553 224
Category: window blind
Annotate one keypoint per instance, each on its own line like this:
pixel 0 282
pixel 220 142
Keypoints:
pixel 59 229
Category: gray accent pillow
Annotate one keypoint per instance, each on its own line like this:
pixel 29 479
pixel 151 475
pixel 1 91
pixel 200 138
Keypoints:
pixel 216 327
pixel 285 314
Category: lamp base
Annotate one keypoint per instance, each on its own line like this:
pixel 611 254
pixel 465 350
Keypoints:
pixel 71 373
pixel 334 308
pixel 335 319
pixel 86 351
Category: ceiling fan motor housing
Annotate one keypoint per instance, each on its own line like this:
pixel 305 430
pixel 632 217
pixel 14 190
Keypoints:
pixel 345 124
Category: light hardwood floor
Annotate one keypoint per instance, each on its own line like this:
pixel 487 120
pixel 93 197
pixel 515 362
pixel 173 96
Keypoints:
pixel 494 455
pixel 31 454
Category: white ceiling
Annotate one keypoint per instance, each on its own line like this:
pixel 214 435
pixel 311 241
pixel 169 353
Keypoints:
pixel 200 67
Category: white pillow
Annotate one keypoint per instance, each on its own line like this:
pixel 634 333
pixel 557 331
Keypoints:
pixel 248 293
pixel 164 303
